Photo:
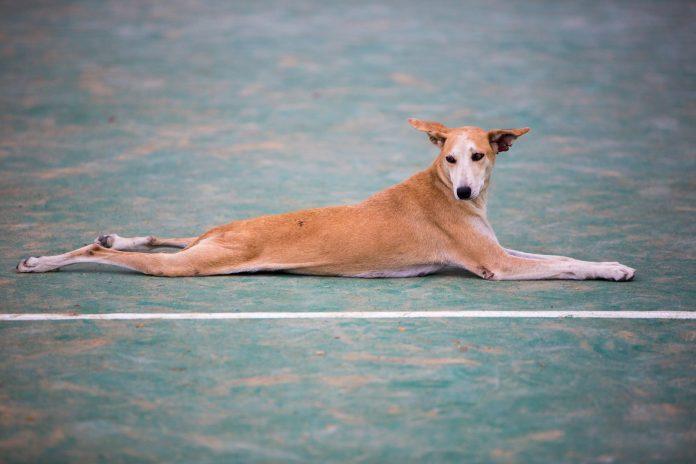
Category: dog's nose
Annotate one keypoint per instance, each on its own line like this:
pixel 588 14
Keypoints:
pixel 463 192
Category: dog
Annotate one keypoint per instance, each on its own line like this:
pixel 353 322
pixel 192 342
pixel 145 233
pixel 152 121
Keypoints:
pixel 435 219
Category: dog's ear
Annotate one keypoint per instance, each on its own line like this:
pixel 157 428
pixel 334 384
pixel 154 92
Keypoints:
pixel 501 139
pixel 436 131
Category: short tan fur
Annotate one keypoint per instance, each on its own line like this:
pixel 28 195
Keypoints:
pixel 435 219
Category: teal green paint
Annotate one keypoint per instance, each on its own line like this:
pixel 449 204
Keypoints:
pixel 252 110
pixel 294 391
pixel 223 111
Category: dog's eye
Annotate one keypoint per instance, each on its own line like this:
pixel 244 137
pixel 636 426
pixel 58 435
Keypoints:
pixel 476 156
pixel 451 159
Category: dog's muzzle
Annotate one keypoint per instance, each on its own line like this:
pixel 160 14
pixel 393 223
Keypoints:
pixel 463 193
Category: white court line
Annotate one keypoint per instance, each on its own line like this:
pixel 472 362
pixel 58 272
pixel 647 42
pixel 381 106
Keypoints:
pixel 352 315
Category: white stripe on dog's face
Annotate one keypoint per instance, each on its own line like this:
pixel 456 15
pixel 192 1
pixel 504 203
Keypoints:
pixel 467 173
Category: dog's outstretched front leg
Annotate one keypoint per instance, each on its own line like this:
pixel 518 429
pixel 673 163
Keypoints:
pixel 522 254
pixel 116 242
pixel 495 263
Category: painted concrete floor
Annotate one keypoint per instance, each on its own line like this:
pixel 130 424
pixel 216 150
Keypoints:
pixel 172 117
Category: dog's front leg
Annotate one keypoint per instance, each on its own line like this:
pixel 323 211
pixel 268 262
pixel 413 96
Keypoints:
pixel 495 263
pixel 522 254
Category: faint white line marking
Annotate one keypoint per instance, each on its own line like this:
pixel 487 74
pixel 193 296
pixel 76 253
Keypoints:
pixel 353 315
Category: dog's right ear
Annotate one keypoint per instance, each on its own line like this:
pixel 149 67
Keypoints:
pixel 436 131
pixel 501 139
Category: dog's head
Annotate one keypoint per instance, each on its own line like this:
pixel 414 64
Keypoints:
pixel 467 154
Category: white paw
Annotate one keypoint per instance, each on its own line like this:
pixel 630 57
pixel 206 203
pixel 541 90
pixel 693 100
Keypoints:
pixel 616 272
pixel 116 242
pixel 33 264
pixel 107 240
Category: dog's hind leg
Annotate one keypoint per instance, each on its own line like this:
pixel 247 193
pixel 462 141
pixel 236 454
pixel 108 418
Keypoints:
pixel 116 242
pixel 201 259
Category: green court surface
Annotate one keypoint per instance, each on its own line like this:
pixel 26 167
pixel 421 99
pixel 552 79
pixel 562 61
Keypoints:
pixel 169 118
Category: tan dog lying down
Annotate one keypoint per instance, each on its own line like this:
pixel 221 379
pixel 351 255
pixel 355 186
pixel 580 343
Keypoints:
pixel 436 218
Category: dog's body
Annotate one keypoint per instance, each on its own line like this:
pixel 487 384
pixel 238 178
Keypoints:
pixel 434 219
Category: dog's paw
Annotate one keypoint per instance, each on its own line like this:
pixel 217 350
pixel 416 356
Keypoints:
pixel 29 264
pixel 617 272
pixel 106 240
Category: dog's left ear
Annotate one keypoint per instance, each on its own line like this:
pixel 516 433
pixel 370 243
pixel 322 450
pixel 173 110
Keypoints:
pixel 501 139
pixel 437 133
